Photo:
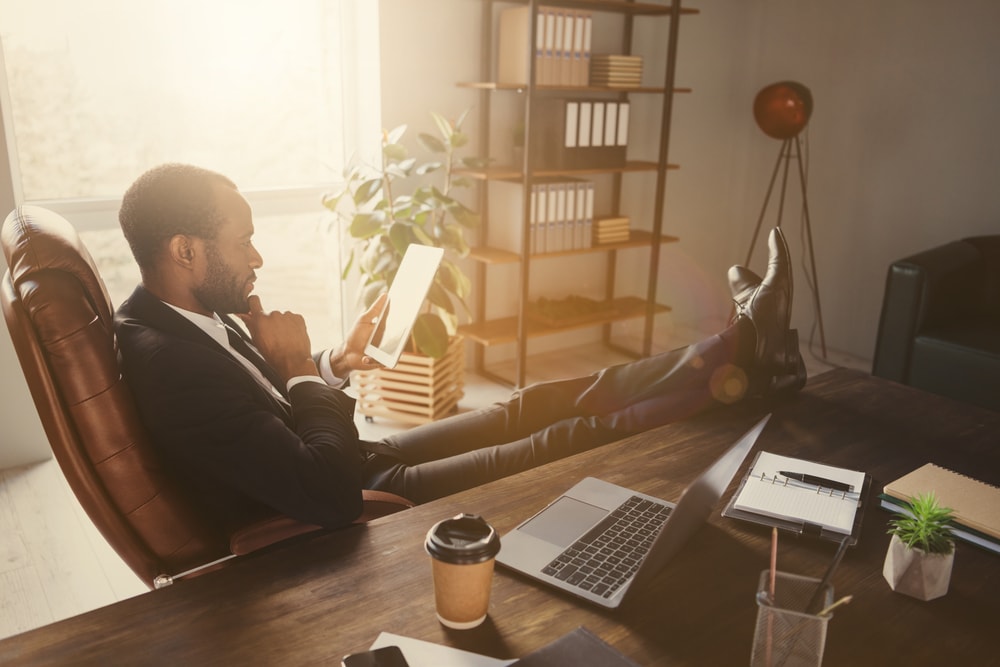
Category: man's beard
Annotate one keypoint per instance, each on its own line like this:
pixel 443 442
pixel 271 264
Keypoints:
pixel 222 291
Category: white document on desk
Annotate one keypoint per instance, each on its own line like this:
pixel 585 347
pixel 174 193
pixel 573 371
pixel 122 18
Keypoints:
pixel 419 653
pixel 766 492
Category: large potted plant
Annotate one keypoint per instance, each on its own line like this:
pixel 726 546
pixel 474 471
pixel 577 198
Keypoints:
pixel 922 550
pixel 387 207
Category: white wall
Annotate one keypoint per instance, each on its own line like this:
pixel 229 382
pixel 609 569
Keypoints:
pixel 21 438
pixel 902 150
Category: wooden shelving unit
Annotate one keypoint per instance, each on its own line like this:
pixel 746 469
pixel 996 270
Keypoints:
pixel 520 326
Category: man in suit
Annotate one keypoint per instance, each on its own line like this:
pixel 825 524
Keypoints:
pixel 267 426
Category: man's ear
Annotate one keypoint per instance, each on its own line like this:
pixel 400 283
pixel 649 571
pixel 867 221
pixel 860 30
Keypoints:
pixel 182 249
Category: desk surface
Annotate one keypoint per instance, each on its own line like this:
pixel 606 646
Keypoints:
pixel 314 601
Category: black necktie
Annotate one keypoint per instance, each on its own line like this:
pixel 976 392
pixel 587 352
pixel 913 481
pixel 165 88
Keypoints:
pixel 241 345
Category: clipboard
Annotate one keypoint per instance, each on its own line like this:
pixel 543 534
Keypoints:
pixel 858 501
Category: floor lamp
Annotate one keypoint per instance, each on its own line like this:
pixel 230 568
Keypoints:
pixel 782 111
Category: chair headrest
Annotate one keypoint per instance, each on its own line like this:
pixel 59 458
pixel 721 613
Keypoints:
pixel 37 239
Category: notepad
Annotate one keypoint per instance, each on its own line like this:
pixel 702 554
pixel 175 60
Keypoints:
pixel 766 492
pixel 975 504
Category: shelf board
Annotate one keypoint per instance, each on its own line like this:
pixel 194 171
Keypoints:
pixel 509 173
pixel 521 87
pixel 504 330
pixel 622 7
pixel 638 238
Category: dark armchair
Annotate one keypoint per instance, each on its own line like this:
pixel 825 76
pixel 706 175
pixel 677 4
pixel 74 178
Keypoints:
pixel 940 323
pixel 60 319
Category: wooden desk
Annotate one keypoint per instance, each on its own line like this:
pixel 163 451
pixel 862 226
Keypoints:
pixel 316 600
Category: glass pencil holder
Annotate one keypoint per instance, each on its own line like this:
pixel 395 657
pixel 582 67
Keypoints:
pixel 786 634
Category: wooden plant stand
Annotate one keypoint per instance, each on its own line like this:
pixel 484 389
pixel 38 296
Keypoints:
pixel 417 391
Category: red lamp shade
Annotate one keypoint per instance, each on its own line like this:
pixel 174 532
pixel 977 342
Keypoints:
pixel 783 109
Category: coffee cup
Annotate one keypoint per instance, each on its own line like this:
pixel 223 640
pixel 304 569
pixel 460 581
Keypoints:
pixel 462 550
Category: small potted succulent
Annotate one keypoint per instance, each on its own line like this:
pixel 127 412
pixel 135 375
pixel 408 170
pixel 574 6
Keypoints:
pixel 922 550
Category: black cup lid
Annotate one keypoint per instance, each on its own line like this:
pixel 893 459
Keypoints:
pixel 464 539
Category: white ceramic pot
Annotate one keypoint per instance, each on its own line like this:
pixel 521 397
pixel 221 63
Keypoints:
pixel 917 573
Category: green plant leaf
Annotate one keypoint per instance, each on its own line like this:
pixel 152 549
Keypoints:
pixel 459 139
pixel 422 237
pixel 458 282
pixel 401 236
pixel 926 527
pixel 395 151
pixel 444 127
pixel 394 135
pixel 431 143
pixel 462 182
pixel 427 168
pixel 367 190
pixel 396 171
pixel 430 335
pixel 461 118
pixel 453 238
pixel 347 266
pixel 366 225
pixel 331 200
pixel 464 215
pixel 439 297
pixel 476 162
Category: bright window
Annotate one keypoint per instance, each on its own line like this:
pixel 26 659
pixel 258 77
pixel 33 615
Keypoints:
pixel 276 94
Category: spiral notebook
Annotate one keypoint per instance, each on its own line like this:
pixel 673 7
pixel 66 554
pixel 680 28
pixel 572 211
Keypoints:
pixel 975 504
pixel 826 502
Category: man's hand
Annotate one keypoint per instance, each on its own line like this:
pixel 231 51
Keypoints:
pixel 351 355
pixel 282 338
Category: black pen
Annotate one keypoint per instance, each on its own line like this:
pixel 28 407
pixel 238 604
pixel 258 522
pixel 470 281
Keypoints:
pixel 817 481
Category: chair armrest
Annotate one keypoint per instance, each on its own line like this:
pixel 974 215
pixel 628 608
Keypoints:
pixel 380 503
pixel 278 528
pixel 926 287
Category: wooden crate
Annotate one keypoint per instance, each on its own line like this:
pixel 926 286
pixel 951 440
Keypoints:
pixel 417 391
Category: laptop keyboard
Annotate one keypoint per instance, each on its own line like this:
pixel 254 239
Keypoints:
pixel 604 559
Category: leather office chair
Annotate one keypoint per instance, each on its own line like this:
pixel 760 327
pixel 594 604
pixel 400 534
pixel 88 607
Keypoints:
pixel 940 324
pixel 60 319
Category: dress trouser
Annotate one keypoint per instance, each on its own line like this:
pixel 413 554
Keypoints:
pixel 551 420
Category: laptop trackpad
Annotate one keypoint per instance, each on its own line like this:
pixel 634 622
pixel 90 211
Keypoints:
pixel 562 522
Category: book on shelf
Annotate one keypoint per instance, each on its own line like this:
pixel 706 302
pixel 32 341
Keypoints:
pixel 975 504
pixel 828 501
pixel 611 230
pixel 561 48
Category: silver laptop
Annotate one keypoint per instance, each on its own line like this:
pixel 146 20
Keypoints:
pixel 599 540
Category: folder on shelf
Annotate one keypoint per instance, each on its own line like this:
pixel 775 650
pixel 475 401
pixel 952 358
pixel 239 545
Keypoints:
pixel 975 504
pixel 597 125
pixel 623 112
pixel 552 238
pixel 549 56
pixel 831 508
pixel 553 144
pixel 566 53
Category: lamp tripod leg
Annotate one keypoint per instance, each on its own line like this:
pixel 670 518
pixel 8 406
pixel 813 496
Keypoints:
pixel 812 255
pixel 767 198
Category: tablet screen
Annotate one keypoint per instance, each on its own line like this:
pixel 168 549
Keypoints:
pixel 406 296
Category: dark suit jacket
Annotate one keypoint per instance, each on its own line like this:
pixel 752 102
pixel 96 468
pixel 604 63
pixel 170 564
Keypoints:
pixel 239 448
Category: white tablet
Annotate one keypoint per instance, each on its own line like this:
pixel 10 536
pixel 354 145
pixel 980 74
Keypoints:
pixel 406 296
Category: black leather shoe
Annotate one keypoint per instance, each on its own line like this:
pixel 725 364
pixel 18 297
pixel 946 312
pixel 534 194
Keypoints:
pixel 777 364
pixel 742 283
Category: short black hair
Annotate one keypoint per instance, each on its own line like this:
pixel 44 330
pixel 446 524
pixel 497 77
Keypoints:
pixel 167 200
